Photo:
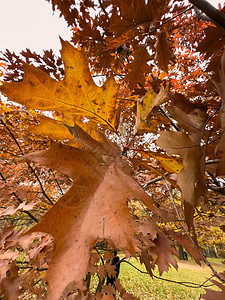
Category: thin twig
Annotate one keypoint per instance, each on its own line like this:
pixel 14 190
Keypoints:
pixel 212 161
pixel 102 260
pixel 184 283
pixel 214 179
pixel 146 184
pixel 31 168
pixel 214 140
pixel 18 198
pixel 149 167
pixel 161 110
pixel 218 190
pixel 102 7
pixel 174 17
pixel 5 151
pixel 56 181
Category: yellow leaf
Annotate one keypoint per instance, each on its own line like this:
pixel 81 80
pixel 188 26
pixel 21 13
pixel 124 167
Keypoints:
pixel 170 164
pixel 53 129
pixel 146 104
pixel 75 95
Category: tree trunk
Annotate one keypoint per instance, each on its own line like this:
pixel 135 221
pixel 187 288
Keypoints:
pixel 181 252
pixel 216 253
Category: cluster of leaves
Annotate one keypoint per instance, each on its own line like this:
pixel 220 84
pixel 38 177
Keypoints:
pixel 103 141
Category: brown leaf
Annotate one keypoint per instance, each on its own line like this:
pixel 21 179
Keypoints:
pixel 223 227
pixel 146 259
pixel 10 284
pixel 10 254
pixel 135 13
pixel 94 208
pixel 4 267
pixel 148 227
pixel 67 9
pixel 163 253
pixel 108 297
pixel 11 210
pixel 187 244
pixel 6 232
pixel 138 67
pixel 10 288
pixel 221 90
pixel 213 41
pixel 128 296
pixel 115 42
pixel 191 179
pixel 218 295
pixel 163 52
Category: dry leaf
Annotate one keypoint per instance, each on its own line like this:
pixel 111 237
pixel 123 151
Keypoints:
pixel 146 104
pixel 187 244
pixel 75 95
pixel 191 179
pixel 136 13
pixel 221 90
pixel 218 295
pixel 10 284
pixel 213 41
pixel 115 42
pixel 163 52
pixel 146 259
pixel 11 210
pixel 94 208
pixel 163 253
pixel 138 67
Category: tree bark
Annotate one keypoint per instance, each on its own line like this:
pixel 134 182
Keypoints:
pixel 214 14
pixel 181 252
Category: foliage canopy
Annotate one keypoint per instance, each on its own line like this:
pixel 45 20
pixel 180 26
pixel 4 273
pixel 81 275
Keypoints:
pixel 129 124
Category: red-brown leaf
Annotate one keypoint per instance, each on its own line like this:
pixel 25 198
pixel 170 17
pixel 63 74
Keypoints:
pixel 187 244
pixel 94 208
pixel 163 52
pixel 218 295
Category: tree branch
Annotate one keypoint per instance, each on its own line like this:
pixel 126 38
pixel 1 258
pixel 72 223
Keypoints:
pixel 56 181
pixel 146 184
pixel 214 14
pixel 184 283
pixel 102 7
pixel 31 168
pixel 17 197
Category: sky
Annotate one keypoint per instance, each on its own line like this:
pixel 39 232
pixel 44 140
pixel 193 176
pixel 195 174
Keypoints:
pixel 32 24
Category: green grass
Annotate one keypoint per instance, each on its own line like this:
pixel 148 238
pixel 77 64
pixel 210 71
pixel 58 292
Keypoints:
pixel 144 287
